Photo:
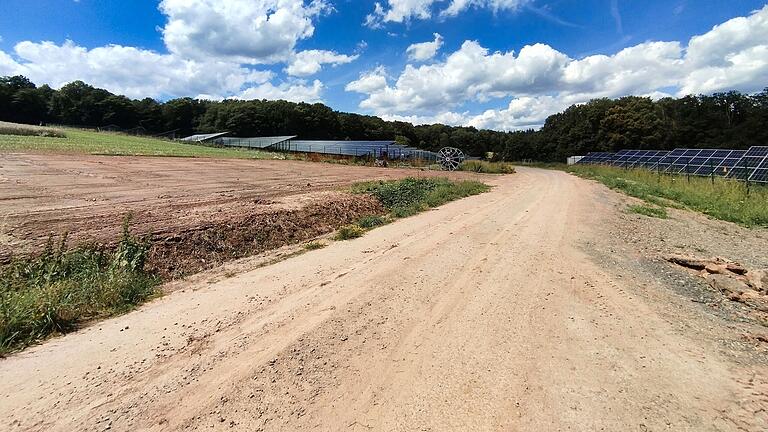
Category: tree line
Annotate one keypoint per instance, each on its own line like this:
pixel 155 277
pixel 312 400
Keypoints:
pixel 720 120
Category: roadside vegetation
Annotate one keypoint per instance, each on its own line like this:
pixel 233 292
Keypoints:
pixel 407 197
pixel 487 167
pixel 60 288
pixel 723 199
pixel 650 211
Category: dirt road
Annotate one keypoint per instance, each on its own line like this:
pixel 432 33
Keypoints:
pixel 486 314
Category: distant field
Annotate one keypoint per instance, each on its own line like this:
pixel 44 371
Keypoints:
pixel 107 143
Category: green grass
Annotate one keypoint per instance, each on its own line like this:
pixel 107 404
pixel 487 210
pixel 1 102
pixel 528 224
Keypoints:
pixel 53 292
pixel 487 167
pixel 406 197
pixel 369 222
pixel 724 199
pixel 650 211
pixel 109 143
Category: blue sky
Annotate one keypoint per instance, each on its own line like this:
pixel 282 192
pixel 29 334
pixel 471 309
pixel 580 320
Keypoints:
pixel 354 56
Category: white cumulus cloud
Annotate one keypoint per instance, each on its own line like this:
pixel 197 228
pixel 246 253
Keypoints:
pixel 244 31
pixel 310 62
pixel 399 11
pixel 141 73
pixel 539 80
pixel 425 50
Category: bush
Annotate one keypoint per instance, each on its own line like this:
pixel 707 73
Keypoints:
pixel 54 291
pixel 487 167
pixel 348 232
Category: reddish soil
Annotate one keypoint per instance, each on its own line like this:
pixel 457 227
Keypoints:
pixel 176 198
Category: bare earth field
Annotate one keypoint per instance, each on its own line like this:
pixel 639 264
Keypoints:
pixel 540 306
pixel 174 198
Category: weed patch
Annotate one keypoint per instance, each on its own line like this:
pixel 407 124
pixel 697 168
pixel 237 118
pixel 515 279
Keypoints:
pixel 348 232
pixel 650 211
pixel 314 245
pixel 369 222
pixel 487 167
pixel 406 197
pixel 53 292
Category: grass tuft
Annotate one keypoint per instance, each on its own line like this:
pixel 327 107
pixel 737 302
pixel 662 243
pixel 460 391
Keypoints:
pixel 487 167
pixel 348 232
pixel 722 199
pixel 650 211
pixel 314 245
pixel 53 292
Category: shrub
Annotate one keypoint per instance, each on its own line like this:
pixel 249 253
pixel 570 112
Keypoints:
pixel 348 232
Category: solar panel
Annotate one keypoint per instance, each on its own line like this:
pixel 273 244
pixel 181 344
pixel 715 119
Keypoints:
pixel 749 164
pixel 700 162
pixel 255 142
pixel 753 166
pixel 638 158
pixel 596 158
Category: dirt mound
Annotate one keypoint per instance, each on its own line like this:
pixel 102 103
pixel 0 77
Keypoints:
pixel 179 253
pixel 730 278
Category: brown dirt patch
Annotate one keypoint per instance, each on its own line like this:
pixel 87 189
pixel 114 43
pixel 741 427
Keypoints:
pixel 177 200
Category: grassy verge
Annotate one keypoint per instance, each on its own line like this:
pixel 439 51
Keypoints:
pixel 53 292
pixel 724 199
pixel 407 197
pixel 487 167
pixel 108 143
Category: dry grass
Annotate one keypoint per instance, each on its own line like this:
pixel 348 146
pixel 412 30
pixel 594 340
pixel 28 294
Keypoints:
pixel 30 130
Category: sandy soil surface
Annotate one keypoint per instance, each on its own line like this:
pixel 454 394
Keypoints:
pixel 89 196
pixel 520 309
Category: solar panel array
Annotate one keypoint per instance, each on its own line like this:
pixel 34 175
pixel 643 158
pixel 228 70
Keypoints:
pixel 751 165
pixel 257 142
pixel 638 158
pixel 391 149
pixel 596 158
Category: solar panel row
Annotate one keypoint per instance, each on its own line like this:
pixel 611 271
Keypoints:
pixel 749 164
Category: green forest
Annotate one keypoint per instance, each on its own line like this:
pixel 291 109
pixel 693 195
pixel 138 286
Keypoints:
pixel 720 120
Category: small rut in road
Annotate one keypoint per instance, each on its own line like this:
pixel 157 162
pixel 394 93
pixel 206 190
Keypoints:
pixel 484 314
